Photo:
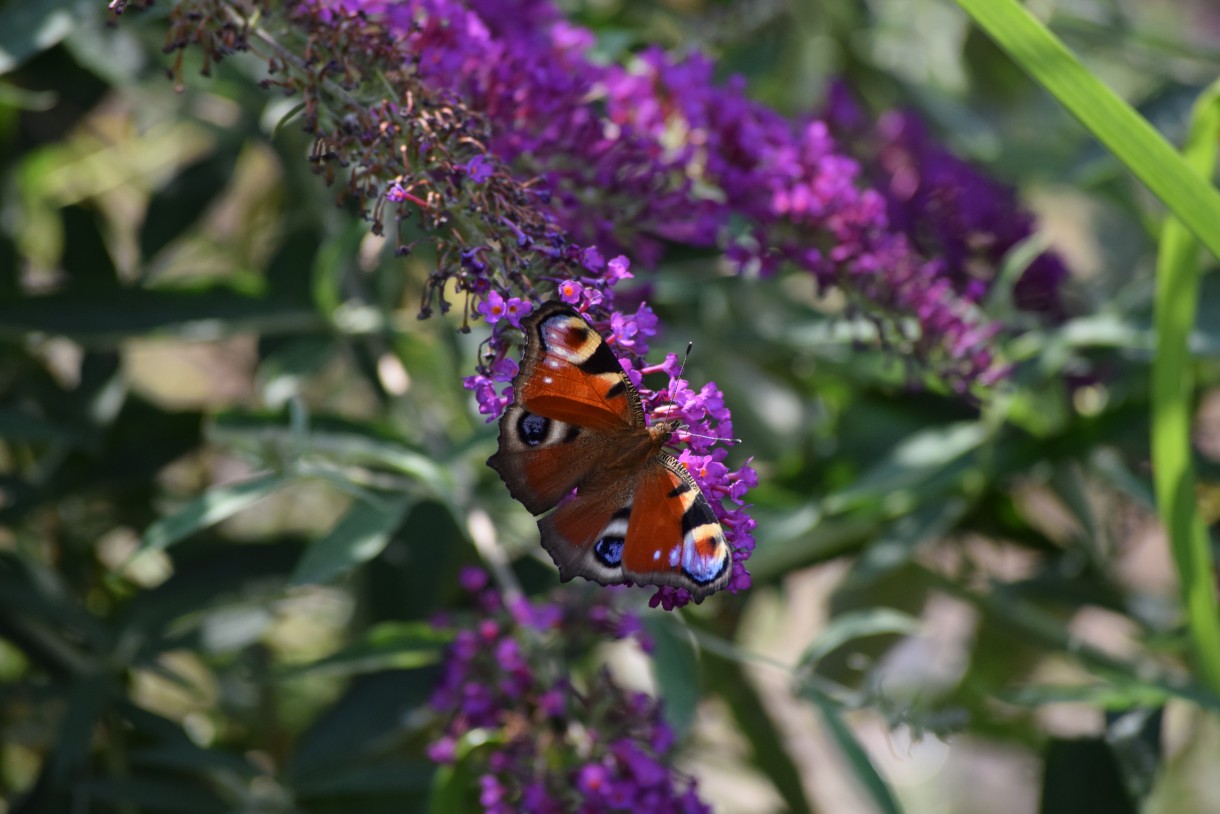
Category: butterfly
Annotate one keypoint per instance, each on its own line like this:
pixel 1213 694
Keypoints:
pixel 575 437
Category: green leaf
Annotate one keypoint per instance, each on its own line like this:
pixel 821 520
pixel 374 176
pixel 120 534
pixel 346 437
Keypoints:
pixel 896 543
pixel 1177 298
pixel 454 787
pixel 754 722
pixel 387 646
pixel 855 625
pixel 32 26
pixel 343 441
pixel 105 319
pixel 1111 120
pixel 675 666
pixel 857 759
pixel 924 460
pixel 1103 696
pixel 356 538
pixel 210 508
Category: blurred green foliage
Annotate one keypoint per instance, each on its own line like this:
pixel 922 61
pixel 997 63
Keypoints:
pixel 238 477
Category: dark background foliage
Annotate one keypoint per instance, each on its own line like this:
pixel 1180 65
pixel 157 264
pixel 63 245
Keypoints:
pixel 203 359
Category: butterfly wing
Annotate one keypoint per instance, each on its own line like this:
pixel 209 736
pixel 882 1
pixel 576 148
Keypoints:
pixel 569 373
pixel 571 397
pixel 542 459
pixel 576 423
pixel 654 529
pixel 673 536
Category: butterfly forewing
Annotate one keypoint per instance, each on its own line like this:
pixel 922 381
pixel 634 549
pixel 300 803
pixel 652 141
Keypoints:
pixel 569 373
pixel 542 459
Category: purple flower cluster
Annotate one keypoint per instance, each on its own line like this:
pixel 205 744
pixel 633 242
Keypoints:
pixel 947 208
pixel 505 678
pixel 674 156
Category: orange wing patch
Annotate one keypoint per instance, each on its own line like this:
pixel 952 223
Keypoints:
pixel 673 537
pixel 570 374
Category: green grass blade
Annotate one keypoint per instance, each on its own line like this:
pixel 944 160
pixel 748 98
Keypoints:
pixel 1111 120
pixel 1177 300
pixel 862 767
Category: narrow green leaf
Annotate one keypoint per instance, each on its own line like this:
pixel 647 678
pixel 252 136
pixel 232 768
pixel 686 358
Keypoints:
pixel 912 465
pixel 1177 298
pixel 387 646
pixel 86 701
pixel 104 320
pixel 855 625
pixel 210 508
pixel 768 753
pixel 360 535
pixel 32 26
pixel 675 666
pixel 866 774
pixel 454 786
pixel 1111 120
pixel 1102 696
pixel 895 544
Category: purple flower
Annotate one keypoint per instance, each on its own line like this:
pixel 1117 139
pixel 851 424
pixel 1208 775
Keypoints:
pixel 479 169
pixel 472 579
pixel 591 780
pixel 442 750
pixel 514 309
pixel 586 167
pixel 618 269
pixel 395 193
pixel 592 259
pixel 631 332
pixel 493 308
pixel 569 291
pixel 491 792
pixel 947 208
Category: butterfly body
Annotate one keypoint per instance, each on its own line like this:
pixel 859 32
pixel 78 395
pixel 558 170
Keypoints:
pixel 575 440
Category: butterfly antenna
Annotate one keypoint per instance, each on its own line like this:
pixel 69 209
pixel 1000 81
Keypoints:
pixel 689 347
pixel 710 437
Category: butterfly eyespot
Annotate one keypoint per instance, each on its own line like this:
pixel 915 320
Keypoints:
pixel 656 555
pixel 609 550
pixel 533 429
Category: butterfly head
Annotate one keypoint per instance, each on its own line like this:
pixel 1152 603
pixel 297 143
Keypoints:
pixel 662 431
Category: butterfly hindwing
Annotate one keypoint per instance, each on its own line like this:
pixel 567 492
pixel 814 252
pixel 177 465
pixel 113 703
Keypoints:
pixel 657 529
pixel 585 536
pixel 673 537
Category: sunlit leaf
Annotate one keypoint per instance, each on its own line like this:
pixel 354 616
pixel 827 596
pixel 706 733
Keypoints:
pixel 360 535
pixel 213 506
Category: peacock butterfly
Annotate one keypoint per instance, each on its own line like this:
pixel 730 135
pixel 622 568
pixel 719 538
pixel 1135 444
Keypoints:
pixel 575 437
